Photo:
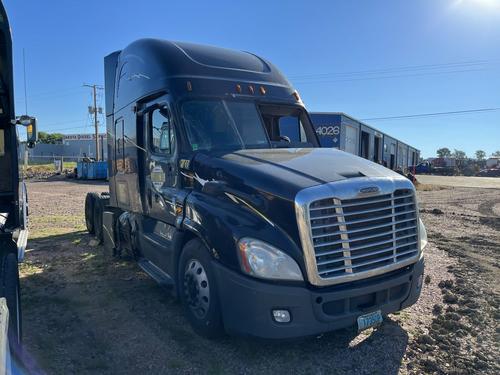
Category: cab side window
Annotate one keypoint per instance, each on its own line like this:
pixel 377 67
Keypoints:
pixel 292 128
pixel 161 132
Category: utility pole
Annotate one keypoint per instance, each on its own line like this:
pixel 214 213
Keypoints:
pixel 94 110
pixel 26 154
pixel 25 95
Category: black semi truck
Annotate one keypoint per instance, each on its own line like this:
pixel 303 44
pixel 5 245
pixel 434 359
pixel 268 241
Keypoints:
pixel 218 187
pixel 13 196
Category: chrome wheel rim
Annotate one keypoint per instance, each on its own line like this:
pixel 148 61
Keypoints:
pixel 196 288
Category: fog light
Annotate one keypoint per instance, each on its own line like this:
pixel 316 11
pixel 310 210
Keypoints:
pixel 281 316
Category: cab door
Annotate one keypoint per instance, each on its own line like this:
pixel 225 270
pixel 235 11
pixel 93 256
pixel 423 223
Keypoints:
pixel 161 190
pixel 160 170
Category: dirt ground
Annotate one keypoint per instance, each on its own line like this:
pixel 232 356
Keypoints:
pixel 460 181
pixel 87 312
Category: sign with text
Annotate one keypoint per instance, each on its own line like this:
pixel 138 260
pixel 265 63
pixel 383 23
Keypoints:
pixel 327 128
pixel 82 137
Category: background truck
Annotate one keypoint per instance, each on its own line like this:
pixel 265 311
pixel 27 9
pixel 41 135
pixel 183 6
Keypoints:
pixel 13 196
pixel 218 187
pixel 439 166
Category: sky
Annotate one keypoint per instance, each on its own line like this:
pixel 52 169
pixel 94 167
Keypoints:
pixel 369 59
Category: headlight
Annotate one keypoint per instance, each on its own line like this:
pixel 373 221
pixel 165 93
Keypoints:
pixel 260 259
pixel 423 234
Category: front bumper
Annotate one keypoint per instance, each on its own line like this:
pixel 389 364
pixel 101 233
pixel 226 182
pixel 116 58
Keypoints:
pixel 247 303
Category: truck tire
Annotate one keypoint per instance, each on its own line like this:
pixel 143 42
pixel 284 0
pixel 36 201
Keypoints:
pixel 89 211
pixel 198 290
pixel 10 289
pixel 98 210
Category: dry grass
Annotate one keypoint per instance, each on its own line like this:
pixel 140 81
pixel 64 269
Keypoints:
pixel 428 187
pixel 48 167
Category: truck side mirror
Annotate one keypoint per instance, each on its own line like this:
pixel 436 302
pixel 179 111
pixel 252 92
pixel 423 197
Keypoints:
pixel 31 132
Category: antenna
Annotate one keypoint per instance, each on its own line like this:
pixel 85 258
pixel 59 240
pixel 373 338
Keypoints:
pixel 25 95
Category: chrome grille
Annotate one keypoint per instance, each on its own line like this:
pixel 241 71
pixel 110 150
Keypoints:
pixel 351 236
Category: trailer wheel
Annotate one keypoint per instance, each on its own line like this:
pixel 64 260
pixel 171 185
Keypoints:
pixel 89 211
pixel 199 294
pixel 10 289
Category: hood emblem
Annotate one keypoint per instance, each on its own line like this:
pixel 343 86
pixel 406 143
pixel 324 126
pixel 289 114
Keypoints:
pixel 369 189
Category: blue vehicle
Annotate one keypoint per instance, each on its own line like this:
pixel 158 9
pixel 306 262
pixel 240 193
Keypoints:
pixel 423 168
pixel 221 191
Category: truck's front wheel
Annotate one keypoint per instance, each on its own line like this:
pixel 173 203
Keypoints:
pixel 198 288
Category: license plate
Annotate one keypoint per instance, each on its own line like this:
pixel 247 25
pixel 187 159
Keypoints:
pixel 372 319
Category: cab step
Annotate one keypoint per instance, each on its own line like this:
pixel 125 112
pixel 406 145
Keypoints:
pixel 157 274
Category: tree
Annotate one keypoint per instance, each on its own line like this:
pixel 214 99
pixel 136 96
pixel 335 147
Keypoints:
pixel 496 154
pixel 459 154
pixel 51 138
pixel 443 152
pixel 480 155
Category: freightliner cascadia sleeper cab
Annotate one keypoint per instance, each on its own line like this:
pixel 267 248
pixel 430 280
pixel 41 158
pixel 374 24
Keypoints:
pixel 219 188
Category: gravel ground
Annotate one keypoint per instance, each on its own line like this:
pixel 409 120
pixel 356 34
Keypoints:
pixel 86 312
pixel 460 181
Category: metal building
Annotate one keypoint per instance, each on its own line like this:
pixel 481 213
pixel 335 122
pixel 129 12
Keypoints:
pixel 336 129
pixel 73 148
pixel 84 145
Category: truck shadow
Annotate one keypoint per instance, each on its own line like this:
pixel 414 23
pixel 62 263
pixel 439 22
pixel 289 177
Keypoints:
pixel 61 178
pixel 85 311
pixel 345 351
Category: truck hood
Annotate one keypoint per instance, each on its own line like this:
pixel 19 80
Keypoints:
pixel 283 172
pixel 270 179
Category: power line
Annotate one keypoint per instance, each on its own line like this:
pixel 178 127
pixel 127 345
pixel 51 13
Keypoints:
pixel 63 123
pixel 71 128
pixel 50 94
pixel 411 68
pixel 432 114
pixel 387 76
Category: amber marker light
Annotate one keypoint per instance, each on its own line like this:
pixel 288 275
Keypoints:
pixel 251 89
pixel 238 89
pixel 244 261
pixel 262 90
pixel 296 96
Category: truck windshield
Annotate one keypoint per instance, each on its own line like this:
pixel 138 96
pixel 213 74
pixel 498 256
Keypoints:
pixel 213 125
